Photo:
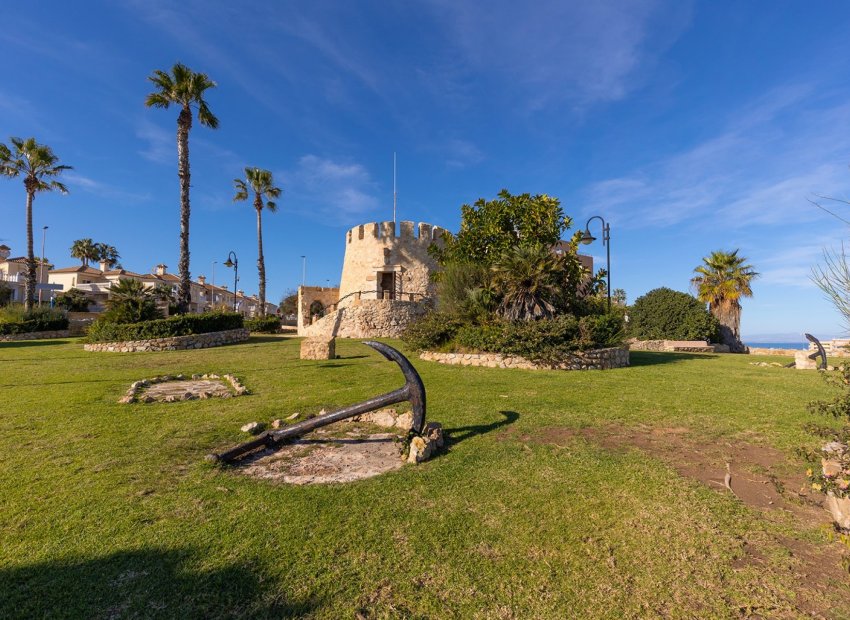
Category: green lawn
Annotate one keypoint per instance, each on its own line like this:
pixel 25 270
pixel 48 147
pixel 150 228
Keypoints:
pixel 109 510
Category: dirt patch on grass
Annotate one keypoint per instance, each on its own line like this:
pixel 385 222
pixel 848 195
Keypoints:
pixel 761 477
pixel 322 457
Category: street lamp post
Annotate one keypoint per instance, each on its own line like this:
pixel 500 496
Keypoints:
pixel 41 266
pixel 587 239
pixel 232 261
pixel 303 270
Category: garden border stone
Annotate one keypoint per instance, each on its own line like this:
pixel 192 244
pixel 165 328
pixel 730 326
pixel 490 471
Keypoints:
pixel 59 333
pixel 594 359
pixel 175 343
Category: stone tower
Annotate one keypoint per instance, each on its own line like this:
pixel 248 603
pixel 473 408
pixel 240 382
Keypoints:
pixel 384 263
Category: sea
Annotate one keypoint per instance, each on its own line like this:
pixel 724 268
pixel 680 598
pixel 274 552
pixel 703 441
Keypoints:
pixel 779 345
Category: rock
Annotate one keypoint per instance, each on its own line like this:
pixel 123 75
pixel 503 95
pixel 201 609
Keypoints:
pixel 254 428
pixel 126 399
pixel 420 450
pixel 318 349
pixel 277 423
pixel 839 507
pixel 434 433
pixel 148 399
pixel 188 396
pixel 834 447
pixel 294 415
pixel 803 362
pixel 831 468
pixel 405 420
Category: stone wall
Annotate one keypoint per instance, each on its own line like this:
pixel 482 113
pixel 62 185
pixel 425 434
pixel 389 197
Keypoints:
pixel 176 343
pixel 327 296
pixel 596 359
pixel 62 333
pixel 375 248
pixel 369 318
pixel 679 346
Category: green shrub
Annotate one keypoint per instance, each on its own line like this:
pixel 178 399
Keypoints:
pixel 15 320
pixel 432 331
pixel 546 340
pixel 264 325
pixel 74 300
pixel 102 330
pixel 665 314
pixel 130 301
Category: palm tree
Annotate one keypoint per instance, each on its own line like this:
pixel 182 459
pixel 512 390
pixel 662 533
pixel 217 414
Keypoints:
pixel 37 164
pixel 527 278
pixel 259 182
pixel 107 254
pixel 184 88
pixel 721 281
pixel 84 250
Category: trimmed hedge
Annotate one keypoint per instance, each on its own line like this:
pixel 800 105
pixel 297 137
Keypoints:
pixel 180 325
pixel 546 340
pixel 38 320
pixel 665 314
pixel 264 325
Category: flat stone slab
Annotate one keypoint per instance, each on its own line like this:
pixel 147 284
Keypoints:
pixel 319 458
pixel 200 388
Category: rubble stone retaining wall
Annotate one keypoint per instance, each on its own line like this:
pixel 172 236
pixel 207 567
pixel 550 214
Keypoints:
pixel 62 333
pixel 370 318
pixel 176 343
pixel 595 359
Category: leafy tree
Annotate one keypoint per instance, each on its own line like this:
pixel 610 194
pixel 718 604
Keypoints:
pixel 185 89
pixel 665 314
pixel 489 228
pixel 74 300
pixel 107 254
pixel 261 184
pixel 465 290
pixel 130 301
pixel 289 303
pixel 5 294
pixel 721 281
pixel 39 167
pixel 85 251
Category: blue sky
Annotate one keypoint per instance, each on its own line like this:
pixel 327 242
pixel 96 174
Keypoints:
pixel 688 126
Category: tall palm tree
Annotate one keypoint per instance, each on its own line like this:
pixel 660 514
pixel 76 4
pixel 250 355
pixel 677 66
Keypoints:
pixel 721 281
pixel 262 185
pixel 84 250
pixel 183 88
pixel 38 165
pixel 107 254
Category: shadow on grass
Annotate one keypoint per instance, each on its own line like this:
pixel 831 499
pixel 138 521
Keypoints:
pixel 461 433
pixel 20 344
pixel 141 584
pixel 653 358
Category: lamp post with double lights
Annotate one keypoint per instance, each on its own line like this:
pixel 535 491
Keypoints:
pixel 587 239
pixel 232 261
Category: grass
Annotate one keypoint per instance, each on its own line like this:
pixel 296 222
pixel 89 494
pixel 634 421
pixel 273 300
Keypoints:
pixel 109 510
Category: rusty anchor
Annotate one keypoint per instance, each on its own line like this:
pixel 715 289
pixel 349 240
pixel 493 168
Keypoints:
pixel 413 390
pixel 820 351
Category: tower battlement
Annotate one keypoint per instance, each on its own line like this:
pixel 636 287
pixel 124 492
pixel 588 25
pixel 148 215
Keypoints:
pixel 421 233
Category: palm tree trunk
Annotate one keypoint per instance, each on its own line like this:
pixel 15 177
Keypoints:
pixel 261 261
pixel 184 124
pixel 728 314
pixel 29 295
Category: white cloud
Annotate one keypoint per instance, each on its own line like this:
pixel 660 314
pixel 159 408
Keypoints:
pixel 328 188
pixel 575 51
pixel 462 154
pixel 99 188
pixel 161 144
pixel 773 155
